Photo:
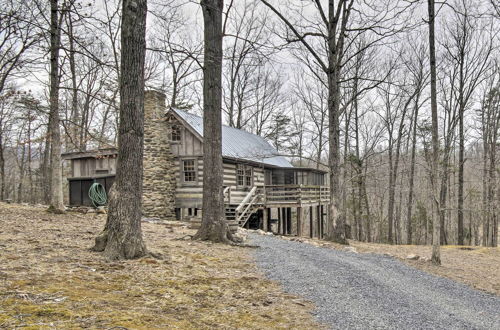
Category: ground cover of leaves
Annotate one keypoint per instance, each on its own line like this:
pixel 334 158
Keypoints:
pixel 475 266
pixel 49 279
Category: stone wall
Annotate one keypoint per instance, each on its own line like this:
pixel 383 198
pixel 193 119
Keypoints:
pixel 159 172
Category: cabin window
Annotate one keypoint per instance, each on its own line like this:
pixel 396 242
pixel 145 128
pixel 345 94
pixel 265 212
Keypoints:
pixel 189 170
pixel 244 175
pixel 289 177
pixel 175 133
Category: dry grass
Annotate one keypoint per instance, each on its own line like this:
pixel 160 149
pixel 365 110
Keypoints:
pixel 478 267
pixel 49 279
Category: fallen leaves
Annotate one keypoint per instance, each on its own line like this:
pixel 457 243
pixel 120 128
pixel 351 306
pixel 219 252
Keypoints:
pixel 49 278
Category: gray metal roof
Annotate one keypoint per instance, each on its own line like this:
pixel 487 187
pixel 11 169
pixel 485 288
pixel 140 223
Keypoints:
pixel 237 143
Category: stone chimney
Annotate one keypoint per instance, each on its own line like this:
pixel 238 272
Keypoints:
pixel 159 173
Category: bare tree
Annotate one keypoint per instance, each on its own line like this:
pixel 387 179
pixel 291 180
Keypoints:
pixel 179 51
pixel 325 40
pixel 436 253
pixel 6 118
pixel 267 99
pixel 18 35
pixel 420 76
pixel 122 235
pixel 468 50
pixel 213 224
pixel 312 95
pixel 336 30
pixel 56 193
pixel 489 115
pixel 245 53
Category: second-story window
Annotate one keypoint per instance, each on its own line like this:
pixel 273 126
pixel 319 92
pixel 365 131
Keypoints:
pixel 175 133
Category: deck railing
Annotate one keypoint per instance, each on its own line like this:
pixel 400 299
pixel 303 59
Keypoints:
pixel 295 194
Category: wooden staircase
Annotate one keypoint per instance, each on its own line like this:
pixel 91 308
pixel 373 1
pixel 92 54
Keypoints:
pixel 241 213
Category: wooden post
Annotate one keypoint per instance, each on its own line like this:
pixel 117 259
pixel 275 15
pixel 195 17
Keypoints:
pixel 279 221
pixel 289 226
pixel 265 220
pixel 299 221
pixel 311 224
pixel 326 226
pixel 318 221
pixel 283 218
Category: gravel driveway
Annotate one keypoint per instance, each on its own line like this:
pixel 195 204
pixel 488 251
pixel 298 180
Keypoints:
pixel 368 291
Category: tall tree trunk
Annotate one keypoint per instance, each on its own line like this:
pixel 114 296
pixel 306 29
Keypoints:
pixel 345 179
pixel 30 171
pixel 75 113
pixel 358 162
pixel 443 193
pixel 45 168
pixel 367 206
pixel 394 167
pixel 22 171
pixel 320 144
pixel 461 149
pixel 122 235
pixel 399 229
pixel 436 253
pixel 486 147
pixel 335 52
pixel 213 224
pixel 492 200
pixel 392 189
pixel 412 174
pixel 56 191
pixel 2 165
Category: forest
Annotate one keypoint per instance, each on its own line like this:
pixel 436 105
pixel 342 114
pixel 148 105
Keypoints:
pixel 398 172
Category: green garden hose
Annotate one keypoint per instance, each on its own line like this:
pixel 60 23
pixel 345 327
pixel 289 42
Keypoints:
pixel 97 194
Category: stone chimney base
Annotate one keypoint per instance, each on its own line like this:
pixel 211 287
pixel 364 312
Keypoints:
pixel 158 199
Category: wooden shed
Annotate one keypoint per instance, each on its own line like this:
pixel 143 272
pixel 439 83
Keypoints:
pixel 87 167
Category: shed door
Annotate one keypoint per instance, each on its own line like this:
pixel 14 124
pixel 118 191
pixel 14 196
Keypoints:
pixel 75 193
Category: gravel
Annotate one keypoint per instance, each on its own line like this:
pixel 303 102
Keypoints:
pixel 369 291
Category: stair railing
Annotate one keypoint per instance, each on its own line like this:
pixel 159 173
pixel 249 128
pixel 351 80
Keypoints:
pixel 246 199
pixel 245 211
pixel 244 202
pixel 227 191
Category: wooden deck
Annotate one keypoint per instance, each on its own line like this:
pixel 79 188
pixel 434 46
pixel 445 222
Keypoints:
pixel 281 195
pixel 295 195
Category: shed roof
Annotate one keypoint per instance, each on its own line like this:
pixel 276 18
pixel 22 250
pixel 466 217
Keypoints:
pixel 237 143
pixel 97 153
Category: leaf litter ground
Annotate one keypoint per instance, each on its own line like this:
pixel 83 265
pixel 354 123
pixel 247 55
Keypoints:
pixel 50 279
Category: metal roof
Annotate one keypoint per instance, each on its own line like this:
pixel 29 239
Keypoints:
pixel 237 143
pixel 97 153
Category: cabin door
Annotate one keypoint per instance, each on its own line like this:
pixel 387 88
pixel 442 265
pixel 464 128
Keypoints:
pixel 267 177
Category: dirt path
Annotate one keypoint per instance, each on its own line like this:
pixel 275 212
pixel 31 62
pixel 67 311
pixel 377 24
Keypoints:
pixel 369 291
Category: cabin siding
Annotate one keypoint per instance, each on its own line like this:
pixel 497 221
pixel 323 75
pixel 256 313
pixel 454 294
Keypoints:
pixel 190 144
pixel 90 167
pixel 189 195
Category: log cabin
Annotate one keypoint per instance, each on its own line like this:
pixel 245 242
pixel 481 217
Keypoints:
pixel 262 189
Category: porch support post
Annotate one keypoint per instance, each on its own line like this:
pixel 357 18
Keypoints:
pixel 280 226
pixel 265 220
pixel 284 219
pixel 311 222
pixel 289 221
pixel 318 221
pixel 299 221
